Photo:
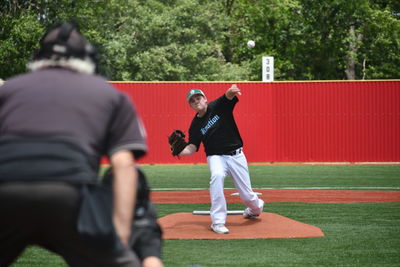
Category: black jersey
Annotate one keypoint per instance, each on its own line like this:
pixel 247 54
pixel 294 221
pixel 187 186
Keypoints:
pixel 217 129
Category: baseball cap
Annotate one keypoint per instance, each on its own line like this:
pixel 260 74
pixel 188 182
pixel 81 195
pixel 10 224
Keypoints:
pixel 64 45
pixel 193 92
pixel 64 40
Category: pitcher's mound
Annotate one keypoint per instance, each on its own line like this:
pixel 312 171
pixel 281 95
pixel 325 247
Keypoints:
pixel 267 225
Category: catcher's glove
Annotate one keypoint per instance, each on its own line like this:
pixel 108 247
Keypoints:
pixel 177 142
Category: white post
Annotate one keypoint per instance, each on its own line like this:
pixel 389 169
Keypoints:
pixel 267 69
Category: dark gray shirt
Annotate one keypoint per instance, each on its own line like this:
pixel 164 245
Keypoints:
pixel 60 103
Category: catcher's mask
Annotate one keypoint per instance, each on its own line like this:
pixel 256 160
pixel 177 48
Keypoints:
pixel 64 43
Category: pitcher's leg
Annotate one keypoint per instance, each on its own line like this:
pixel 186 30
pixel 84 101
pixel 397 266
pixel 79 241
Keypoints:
pixel 218 169
pixel 240 174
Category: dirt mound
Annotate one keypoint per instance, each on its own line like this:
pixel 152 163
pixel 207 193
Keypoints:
pixel 267 225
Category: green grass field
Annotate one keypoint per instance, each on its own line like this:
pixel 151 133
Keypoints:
pixel 356 234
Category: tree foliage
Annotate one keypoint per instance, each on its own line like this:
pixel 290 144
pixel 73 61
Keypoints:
pixel 166 40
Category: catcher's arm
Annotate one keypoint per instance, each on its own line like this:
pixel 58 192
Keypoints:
pixel 124 193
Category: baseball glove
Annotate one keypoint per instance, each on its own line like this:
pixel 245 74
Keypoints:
pixel 177 142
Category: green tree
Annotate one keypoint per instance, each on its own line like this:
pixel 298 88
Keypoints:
pixel 276 28
pixel 22 24
pixel 206 39
pixel 380 49
pixel 338 39
pixel 19 31
pixel 174 40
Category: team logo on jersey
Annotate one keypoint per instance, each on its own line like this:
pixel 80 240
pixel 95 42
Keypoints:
pixel 209 124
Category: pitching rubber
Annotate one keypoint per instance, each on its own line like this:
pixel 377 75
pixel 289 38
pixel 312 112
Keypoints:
pixel 207 212
pixel 230 212
pixel 237 194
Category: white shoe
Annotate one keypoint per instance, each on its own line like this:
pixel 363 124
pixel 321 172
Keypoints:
pixel 247 214
pixel 261 205
pixel 219 228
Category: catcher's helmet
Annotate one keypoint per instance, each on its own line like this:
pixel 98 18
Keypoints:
pixel 64 41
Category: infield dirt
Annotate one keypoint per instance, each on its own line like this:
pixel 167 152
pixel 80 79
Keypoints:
pixel 267 225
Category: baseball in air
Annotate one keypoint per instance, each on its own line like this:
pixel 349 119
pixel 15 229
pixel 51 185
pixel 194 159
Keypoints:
pixel 251 44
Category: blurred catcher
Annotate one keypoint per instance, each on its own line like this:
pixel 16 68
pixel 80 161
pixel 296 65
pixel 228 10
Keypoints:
pixel 56 123
pixel 146 239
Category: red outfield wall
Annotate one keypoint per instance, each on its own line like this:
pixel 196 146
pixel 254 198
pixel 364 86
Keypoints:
pixel 336 121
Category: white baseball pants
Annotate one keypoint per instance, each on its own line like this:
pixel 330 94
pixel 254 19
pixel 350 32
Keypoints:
pixel 236 166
